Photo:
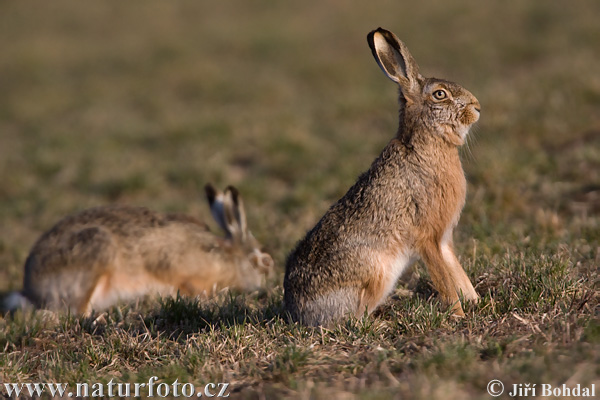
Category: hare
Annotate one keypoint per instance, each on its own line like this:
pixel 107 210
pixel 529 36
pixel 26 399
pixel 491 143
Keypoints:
pixel 91 260
pixel 404 207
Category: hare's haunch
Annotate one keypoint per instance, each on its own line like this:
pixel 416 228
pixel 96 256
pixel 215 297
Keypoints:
pixel 403 208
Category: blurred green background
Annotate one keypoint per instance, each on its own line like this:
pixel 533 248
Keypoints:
pixel 144 102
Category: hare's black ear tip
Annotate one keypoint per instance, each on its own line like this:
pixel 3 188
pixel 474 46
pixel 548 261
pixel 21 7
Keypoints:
pixel 234 192
pixel 371 35
pixel 211 192
pixel 379 30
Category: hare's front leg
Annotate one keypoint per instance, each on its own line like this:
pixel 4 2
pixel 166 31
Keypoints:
pixel 463 284
pixel 448 277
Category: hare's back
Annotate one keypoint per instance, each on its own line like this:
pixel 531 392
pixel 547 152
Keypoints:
pixel 122 220
pixel 98 234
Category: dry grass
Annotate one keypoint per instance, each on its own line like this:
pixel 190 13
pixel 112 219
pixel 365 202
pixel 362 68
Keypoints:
pixel 110 102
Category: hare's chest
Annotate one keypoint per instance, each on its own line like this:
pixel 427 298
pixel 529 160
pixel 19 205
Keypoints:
pixel 449 198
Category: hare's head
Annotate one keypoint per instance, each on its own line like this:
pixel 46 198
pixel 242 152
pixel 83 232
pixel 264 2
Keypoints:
pixel 227 209
pixel 435 105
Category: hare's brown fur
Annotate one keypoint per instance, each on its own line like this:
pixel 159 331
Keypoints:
pixel 404 207
pixel 94 258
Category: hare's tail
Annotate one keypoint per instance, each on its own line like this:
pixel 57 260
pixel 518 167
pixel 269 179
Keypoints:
pixel 14 301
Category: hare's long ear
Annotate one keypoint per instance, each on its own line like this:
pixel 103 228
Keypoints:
pixel 215 201
pixel 394 59
pixel 234 214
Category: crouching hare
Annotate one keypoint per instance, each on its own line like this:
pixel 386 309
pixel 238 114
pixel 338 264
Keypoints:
pixel 99 256
pixel 404 207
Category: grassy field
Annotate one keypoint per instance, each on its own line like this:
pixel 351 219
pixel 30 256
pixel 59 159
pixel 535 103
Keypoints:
pixel 108 102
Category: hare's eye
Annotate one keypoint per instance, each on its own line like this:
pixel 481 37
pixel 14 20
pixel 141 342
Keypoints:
pixel 440 94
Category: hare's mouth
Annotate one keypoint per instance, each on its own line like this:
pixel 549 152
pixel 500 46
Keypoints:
pixel 476 112
pixel 470 115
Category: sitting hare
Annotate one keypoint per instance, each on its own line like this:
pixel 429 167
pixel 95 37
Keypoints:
pixel 99 256
pixel 404 207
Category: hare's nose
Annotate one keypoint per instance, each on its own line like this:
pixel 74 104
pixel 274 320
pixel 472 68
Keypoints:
pixel 267 260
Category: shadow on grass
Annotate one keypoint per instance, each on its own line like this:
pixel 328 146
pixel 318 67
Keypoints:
pixel 174 318
pixel 182 315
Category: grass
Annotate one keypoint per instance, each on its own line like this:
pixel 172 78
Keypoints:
pixel 110 102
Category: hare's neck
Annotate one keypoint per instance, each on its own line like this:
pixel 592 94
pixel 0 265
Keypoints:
pixel 404 131
pixel 419 140
pixel 413 132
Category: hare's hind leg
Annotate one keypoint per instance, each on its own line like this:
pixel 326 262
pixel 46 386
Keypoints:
pixel 67 274
pixel 447 275
pixel 70 290
pixel 95 294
